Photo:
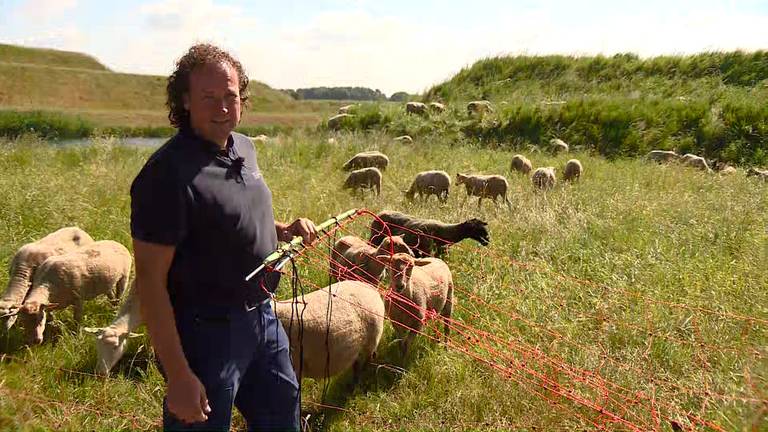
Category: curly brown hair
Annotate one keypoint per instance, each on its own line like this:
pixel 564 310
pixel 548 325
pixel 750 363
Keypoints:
pixel 178 81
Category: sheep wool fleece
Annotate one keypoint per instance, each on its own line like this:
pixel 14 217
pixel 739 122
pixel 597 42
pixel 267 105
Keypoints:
pixel 215 207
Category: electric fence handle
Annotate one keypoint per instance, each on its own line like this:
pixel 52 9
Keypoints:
pixel 289 250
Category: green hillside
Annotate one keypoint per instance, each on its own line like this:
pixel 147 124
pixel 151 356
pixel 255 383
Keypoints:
pixel 48 57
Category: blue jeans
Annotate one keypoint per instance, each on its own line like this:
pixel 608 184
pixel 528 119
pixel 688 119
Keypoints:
pixel 242 359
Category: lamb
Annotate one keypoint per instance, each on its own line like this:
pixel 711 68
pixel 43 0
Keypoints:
pixel 484 186
pixel 760 174
pixel 261 139
pixel 662 156
pixel 427 236
pixel 572 170
pixel 346 108
pixel 103 267
pixel 544 178
pixel 405 139
pixel 349 339
pixel 430 183
pixel 421 286
pixel 521 164
pixel 365 178
pixel 29 257
pixel 437 107
pixel 479 107
pixel 350 251
pixel 558 146
pixel 695 161
pixel 335 122
pixel 367 159
pixel 416 108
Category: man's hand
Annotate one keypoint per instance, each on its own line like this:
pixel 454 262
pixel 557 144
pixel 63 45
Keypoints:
pixel 186 398
pixel 302 227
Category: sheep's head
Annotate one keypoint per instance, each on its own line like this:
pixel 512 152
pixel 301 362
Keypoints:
pixel 401 268
pixel 478 230
pixel 753 172
pixel 461 178
pixel 397 243
pixel 32 307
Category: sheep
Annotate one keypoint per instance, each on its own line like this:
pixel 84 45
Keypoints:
pixel 427 236
pixel 430 183
pixel 102 267
pixel 416 108
pixel 260 139
pixel 572 170
pixel 760 174
pixel 558 146
pixel 544 178
pixel 330 346
pixel 422 286
pixel 331 140
pixel 662 156
pixel 350 251
pixel 479 107
pixel 521 164
pixel 405 139
pixel 112 340
pixel 365 178
pixel 484 186
pixel 721 167
pixel 367 159
pixel 694 161
pixel 346 108
pixel 437 107
pixel 28 258
pixel 335 122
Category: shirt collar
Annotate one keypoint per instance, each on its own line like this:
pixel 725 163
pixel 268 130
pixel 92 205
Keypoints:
pixel 206 145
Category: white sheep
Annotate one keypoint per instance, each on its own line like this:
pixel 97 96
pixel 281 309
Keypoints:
pixel 758 173
pixel 479 107
pixel 572 170
pixel 419 286
pixel 544 178
pixel 662 156
pixel 29 257
pixel 346 108
pixel 427 183
pixel 260 139
pixel 405 139
pixel 365 178
pixel 102 267
pixel 367 159
pixel 416 108
pixel 336 121
pixel 349 339
pixel 558 146
pixel 354 259
pixel 484 186
pixel 521 164
pixel 694 161
pixel 437 107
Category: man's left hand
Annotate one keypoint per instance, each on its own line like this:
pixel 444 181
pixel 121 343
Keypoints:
pixel 304 228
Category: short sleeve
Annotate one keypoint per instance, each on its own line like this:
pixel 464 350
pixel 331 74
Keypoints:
pixel 158 205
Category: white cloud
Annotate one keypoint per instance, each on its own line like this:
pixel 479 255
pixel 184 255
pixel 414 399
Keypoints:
pixel 44 9
pixel 68 38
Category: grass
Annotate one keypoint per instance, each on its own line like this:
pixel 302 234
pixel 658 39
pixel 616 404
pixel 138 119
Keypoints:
pixel 586 273
pixel 48 57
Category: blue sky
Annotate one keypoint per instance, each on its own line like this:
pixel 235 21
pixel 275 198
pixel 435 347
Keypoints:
pixel 391 45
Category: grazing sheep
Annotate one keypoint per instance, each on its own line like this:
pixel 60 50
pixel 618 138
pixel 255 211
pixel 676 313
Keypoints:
pixel 346 108
pixel 427 236
pixel 521 164
pixel 484 186
pixel 544 178
pixel 558 146
pixel 479 107
pixel 336 121
pixel 421 286
pixel 112 340
pixel 102 267
pixel 365 178
pixel 348 339
pixel 694 161
pixel 406 139
pixel 572 170
pixel 353 258
pixel 416 108
pixel 662 156
pixel 430 183
pixel 760 174
pixel 721 167
pixel 261 139
pixel 437 107
pixel 367 159
pixel 26 260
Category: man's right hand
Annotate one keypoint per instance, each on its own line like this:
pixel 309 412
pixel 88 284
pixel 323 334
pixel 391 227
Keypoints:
pixel 186 398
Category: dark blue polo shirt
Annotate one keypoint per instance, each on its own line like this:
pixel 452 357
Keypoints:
pixel 215 207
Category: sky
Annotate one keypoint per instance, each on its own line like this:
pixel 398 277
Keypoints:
pixel 391 45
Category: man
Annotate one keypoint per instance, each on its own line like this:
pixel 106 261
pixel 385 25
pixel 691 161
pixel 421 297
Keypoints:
pixel 201 219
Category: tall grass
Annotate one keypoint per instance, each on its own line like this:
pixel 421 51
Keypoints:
pixel 643 235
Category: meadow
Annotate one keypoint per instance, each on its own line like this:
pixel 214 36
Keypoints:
pixel 638 292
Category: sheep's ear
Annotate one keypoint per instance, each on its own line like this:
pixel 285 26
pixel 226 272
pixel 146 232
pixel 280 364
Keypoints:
pixel 10 321
pixel 384 258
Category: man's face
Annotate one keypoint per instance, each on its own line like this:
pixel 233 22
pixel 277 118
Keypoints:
pixel 213 101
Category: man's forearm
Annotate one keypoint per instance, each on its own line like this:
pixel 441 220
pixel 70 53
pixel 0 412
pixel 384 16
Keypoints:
pixel 282 232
